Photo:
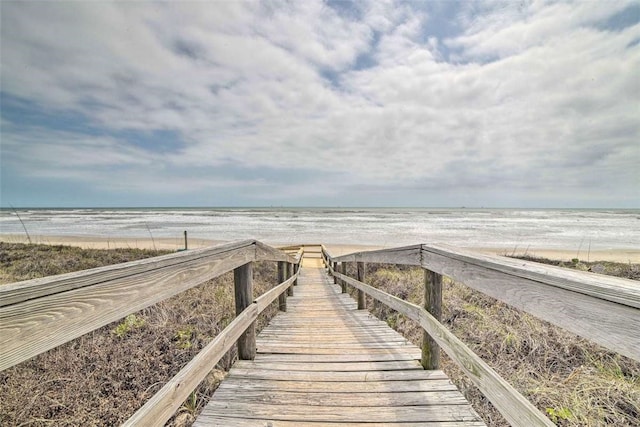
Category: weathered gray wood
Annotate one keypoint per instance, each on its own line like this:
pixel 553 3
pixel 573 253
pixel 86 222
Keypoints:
pixel 14 293
pixel 434 383
pixel 339 400
pixel 611 324
pixel 408 255
pixel 334 267
pixel 289 274
pixel 343 284
pixel 164 404
pixel 223 421
pixel 362 302
pixel 328 414
pixel 511 404
pixel 330 366
pixel 433 304
pixel 282 298
pixel 267 253
pixel 296 267
pixel 268 297
pixel 243 293
pixel 614 289
pixel 33 326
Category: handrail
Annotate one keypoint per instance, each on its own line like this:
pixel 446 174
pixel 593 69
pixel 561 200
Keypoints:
pixel 61 308
pixel 601 308
pixel 77 303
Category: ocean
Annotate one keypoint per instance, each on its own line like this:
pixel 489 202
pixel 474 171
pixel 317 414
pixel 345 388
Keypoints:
pixel 565 229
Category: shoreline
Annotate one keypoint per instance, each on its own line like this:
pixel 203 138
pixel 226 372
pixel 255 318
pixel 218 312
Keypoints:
pixel 175 243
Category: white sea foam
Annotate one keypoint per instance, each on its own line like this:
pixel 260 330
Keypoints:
pixel 498 228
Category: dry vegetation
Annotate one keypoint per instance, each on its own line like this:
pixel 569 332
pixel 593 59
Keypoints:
pixel 103 377
pixel 573 381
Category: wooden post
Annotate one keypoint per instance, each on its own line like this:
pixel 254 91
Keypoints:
pixel 289 274
pixel 243 292
pixel 362 303
pixel 282 298
pixel 185 240
pixel 335 270
pixel 433 304
pixel 296 267
pixel 343 270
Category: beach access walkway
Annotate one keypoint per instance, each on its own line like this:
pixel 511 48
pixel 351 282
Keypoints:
pixel 324 362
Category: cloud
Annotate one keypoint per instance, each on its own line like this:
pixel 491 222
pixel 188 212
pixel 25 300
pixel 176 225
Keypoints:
pixel 533 102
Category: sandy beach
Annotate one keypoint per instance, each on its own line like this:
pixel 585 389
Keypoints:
pixel 97 242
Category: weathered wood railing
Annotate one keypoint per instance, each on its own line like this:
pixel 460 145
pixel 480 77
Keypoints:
pixel 600 308
pixel 38 315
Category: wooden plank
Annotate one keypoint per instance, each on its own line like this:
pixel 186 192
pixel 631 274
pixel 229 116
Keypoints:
pixel 268 297
pixel 164 403
pixel 610 288
pixel 408 255
pixel 330 350
pixel 439 383
pixel 31 327
pixel 222 421
pixel 330 376
pixel 511 404
pixel 330 366
pixel 14 293
pixel 324 358
pixel 339 400
pixel 588 314
pixel 267 253
pixel 329 414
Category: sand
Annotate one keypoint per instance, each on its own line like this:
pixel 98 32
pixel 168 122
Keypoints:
pixel 97 242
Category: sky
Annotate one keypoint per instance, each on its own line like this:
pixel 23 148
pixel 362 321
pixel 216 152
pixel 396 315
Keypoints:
pixel 311 103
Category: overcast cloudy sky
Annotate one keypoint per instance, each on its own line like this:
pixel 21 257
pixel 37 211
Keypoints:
pixel 307 103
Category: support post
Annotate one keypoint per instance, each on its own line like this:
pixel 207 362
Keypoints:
pixel 243 293
pixel 433 304
pixel 343 270
pixel 282 298
pixel 362 303
pixel 185 240
pixel 335 270
pixel 289 274
pixel 296 267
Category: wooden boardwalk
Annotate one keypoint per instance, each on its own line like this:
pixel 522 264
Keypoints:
pixel 324 362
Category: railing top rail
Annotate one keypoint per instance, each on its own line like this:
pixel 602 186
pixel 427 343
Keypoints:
pixel 76 303
pixel 614 289
pixel 36 288
pixel 603 309
pixel 610 288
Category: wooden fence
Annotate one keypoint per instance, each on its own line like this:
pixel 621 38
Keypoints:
pixel 38 315
pixel 600 308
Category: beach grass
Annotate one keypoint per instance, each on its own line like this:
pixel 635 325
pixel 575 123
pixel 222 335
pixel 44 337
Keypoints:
pixel 103 377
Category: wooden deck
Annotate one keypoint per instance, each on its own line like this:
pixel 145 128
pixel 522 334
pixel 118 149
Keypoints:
pixel 324 362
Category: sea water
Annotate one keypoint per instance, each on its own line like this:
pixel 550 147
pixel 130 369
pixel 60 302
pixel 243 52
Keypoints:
pixel 491 228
